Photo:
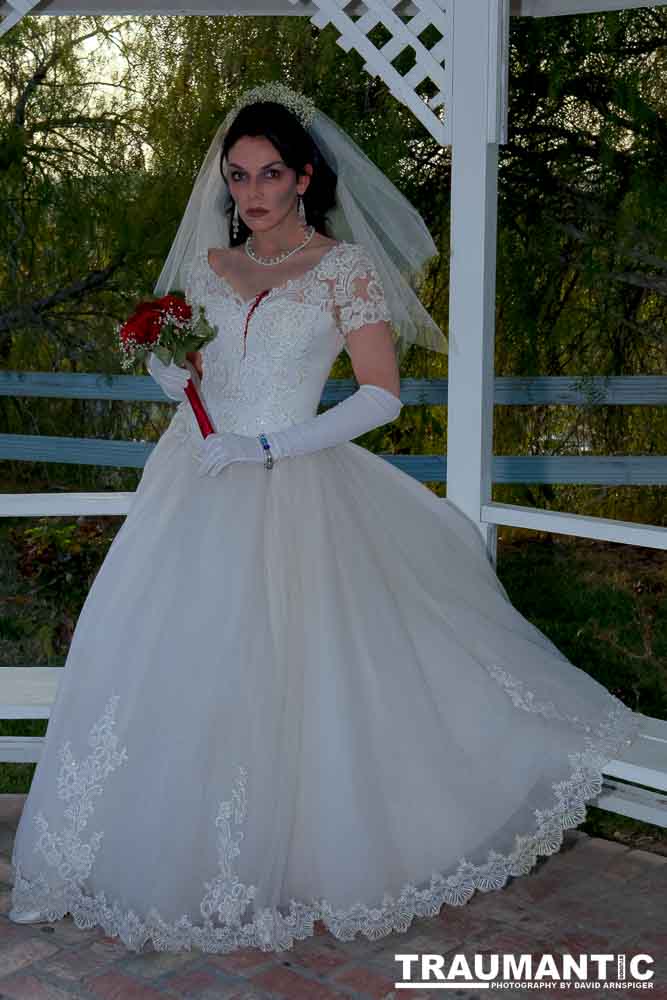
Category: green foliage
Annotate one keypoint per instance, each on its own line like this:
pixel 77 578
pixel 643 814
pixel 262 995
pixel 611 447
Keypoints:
pixel 603 605
pixel 60 559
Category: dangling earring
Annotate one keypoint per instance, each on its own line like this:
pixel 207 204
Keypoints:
pixel 301 210
pixel 235 221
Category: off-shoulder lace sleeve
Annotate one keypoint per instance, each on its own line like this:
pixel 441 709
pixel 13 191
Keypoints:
pixel 360 297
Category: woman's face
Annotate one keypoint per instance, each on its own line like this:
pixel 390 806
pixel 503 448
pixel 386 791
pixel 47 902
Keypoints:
pixel 258 178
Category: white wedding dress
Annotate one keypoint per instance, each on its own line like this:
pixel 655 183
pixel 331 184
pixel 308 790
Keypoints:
pixel 298 694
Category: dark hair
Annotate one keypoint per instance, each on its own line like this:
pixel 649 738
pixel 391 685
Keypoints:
pixel 283 129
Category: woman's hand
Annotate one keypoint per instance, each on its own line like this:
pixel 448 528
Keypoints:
pixel 220 450
pixel 171 378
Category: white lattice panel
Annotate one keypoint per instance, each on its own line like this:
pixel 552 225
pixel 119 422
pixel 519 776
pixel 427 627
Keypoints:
pixel 18 8
pixel 433 65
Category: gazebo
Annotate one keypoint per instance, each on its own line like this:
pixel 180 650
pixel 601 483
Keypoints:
pixel 467 69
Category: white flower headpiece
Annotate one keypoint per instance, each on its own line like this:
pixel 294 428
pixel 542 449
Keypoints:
pixel 294 101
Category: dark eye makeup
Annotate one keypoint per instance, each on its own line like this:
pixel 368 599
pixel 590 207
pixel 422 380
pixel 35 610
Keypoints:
pixel 235 173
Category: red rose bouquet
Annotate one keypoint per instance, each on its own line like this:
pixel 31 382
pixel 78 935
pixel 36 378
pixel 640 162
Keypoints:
pixel 167 328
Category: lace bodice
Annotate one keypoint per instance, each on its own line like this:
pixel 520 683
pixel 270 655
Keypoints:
pixel 274 378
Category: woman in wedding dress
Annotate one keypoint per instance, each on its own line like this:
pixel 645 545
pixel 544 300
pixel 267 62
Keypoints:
pixel 297 690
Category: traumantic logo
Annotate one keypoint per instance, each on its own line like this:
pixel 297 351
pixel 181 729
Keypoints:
pixel 508 971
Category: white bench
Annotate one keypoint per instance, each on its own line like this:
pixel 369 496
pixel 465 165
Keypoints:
pixel 642 764
pixel 26 693
pixel 29 692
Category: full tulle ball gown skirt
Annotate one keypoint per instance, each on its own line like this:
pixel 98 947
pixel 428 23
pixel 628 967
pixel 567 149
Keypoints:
pixel 299 694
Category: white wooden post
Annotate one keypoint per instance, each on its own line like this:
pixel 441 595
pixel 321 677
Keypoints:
pixel 477 123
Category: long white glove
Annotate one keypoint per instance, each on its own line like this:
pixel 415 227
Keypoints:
pixel 369 407
pixel 171 378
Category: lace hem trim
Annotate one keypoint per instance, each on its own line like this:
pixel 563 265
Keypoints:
pixel 227 897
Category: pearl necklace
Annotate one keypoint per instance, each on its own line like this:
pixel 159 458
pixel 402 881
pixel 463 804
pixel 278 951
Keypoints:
pixel 279 258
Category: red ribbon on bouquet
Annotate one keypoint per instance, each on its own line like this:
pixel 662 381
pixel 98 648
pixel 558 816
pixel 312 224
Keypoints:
pixel 193 393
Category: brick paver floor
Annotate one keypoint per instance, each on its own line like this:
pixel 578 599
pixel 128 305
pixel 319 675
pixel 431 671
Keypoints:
pixel 594 896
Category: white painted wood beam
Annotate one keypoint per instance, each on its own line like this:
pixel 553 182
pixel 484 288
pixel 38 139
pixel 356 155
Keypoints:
pixel 479 26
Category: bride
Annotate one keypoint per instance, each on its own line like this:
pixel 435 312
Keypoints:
pixel 297 690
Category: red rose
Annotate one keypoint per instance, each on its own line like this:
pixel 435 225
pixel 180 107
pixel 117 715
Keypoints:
pixel 143 307
pixel 175 306
pixel 143 326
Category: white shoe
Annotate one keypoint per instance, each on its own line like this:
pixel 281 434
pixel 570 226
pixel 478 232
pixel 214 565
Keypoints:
pixel 27 917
